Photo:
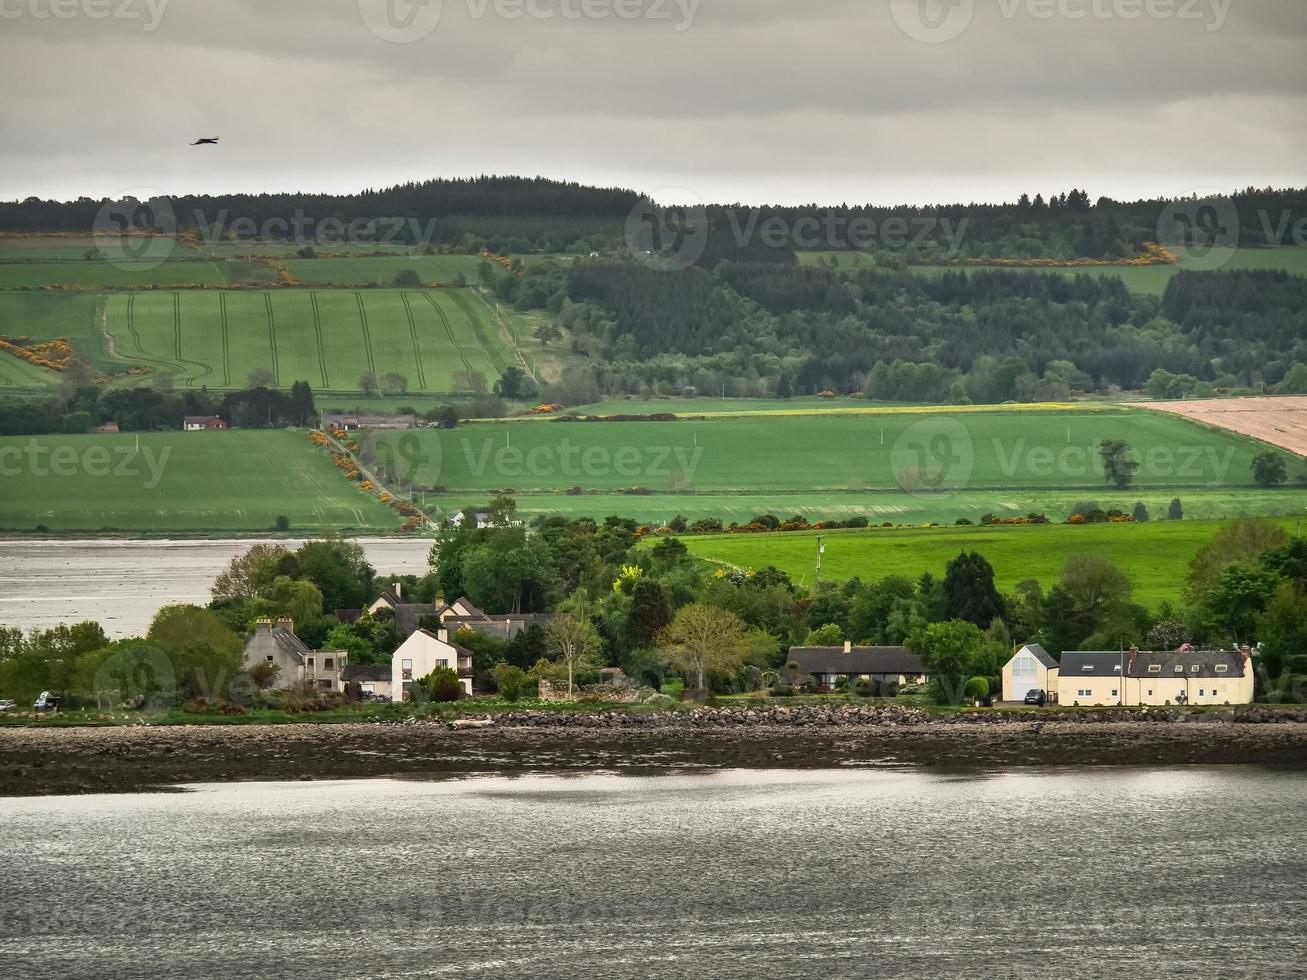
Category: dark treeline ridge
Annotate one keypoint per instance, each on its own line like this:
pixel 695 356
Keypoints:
pixel 522 214
pixel 982 336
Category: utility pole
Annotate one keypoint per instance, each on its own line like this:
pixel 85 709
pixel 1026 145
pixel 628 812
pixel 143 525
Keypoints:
pixel 821 550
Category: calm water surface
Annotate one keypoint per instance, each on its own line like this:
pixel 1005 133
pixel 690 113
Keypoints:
pixel 1196 873
pixel 122 584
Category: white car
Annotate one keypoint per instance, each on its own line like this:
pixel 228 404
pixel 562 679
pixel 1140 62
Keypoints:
pixel 7 705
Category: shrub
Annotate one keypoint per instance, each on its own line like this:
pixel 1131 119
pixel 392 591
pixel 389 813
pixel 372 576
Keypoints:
pixel 441 686
pixel 977 688
pixel 782 691
pixel 511 681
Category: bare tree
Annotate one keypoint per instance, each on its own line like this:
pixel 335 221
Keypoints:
pixel 703 638
pixel 574 643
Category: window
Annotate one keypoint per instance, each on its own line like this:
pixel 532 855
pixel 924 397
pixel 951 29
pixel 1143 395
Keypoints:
pixel 1024 667
pixel 1087 667
pixel 1222 668
pixel 310 661
pixel 328 663
pixel 1202 693
pixel 1194 669
pixel 1154 668
pixel 407 668
pixel 1179 668
pixel 270 658
pixel 1117 668
pixel 442 663
pixel 1084 694
pixel 1116 694
pixel 1150 692
pixel 325 685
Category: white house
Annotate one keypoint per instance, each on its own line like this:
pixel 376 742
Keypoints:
pixel 422 653
pixel 1031 669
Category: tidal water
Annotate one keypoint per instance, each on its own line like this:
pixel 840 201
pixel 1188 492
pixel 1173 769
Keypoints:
pixel 122 584
pixel 1104 873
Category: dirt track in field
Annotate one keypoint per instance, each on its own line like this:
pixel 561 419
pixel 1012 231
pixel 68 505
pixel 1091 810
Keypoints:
pixel 1279 421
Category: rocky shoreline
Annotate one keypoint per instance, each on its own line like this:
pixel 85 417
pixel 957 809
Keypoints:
pixel 56 761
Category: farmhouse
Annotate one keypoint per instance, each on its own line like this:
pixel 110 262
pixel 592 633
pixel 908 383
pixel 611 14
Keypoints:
pixel 1031 669
pixel 339 420
pixel 204 423
pixel 276 645
pixel 826 665
pixel 1134 678
pixel 422 653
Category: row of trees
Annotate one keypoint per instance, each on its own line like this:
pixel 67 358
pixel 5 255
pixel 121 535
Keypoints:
pixel 655 610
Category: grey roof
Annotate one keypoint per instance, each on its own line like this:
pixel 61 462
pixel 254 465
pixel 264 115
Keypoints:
pixel 366 672
pixel 1101 663
pixel 1206 662
pixel 1040 654
pixel 860 660
pixel 289 642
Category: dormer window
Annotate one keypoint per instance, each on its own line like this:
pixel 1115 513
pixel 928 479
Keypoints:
pixel 1222 668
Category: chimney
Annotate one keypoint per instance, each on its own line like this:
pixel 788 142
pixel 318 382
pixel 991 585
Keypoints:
pixel 443 636
pixel 1245 654
pixel 848 646
pixel 263 625
pixel 1134 655
pixel 399 589
pixel 286 624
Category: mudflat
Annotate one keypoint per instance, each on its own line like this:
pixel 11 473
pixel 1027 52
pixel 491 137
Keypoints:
pixel 53 761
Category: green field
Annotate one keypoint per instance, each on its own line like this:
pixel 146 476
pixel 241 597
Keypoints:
pixel 103 275
pixel 181 481
pixel 1011 452
pixel 1147 279
pixel 381 270
pixel 1153 279
pixel 1155 555
pixel 327 337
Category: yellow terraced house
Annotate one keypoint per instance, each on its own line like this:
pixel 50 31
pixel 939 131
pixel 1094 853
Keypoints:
pixel 1133 678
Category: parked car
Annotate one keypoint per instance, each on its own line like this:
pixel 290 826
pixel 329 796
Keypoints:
pixel 6 705
pixel 1036 698
pixel 46 702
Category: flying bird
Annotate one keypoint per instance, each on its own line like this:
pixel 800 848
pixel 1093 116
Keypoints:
pixel 206 141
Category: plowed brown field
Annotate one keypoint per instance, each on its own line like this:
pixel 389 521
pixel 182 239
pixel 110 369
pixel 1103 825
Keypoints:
pixel 1279 421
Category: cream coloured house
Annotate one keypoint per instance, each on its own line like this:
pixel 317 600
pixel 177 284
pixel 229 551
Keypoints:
pixel 422 653
pixel 1031 669
pixel 1133 678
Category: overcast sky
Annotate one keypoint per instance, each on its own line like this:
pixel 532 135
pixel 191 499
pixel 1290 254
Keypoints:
pixel 787 101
